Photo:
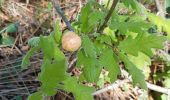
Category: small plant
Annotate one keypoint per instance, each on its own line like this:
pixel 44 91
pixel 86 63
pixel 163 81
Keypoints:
pixel 107 38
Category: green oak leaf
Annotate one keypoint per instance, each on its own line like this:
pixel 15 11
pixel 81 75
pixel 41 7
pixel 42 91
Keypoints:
pixel 57 32
pixel 80 92
pixel 88 46
pixel 108 61
pixel 52 72
pixel 137 75
pixel 162 24
pixel 34 41
pixel 26 59
pixel 133 4
pixel 84 17
pixel 142 43
pixel 35 96
pixel 12 28
pixel 131 26
pixel 53 69
pixel 141 60
pixel 91 68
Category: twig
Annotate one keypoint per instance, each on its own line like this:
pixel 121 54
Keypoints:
pixel 160 8
pixel 118 83
pixel 108 16
pixel 111 87
pixel 61 13
pixel 158 88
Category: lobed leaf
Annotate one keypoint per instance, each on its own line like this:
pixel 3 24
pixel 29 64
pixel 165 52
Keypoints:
pixel 80 92
pixel 108 61
pixel 35 96
pixel 162 24
pixel 137 75
pixel 91 68
pixel 25 60
pixel 88 46
pixel 142 43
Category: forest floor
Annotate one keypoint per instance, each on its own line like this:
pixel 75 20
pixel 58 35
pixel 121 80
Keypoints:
pixel 35 18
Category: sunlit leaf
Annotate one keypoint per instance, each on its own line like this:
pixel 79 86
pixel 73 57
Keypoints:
pixel 35 96
pixel 137 75
pixel 109 62
pixel 142 43
pixel 34 42
pixel 26 58
pixel 80 92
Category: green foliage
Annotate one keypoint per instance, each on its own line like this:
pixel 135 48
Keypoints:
pixel 162 24
pixel 7 40
pixel 110 62
pixel 137 75
pixel 88 47
pixel 12 28
pixel 131 26
pixel 142 43
pixel 79 91
pixel 90 17
pixel 133 4
pixel 34 42
pixel 35 96
pixel 124 39
pixel 141 60
pixel 26 59
pixel 91 68
pixel 57 33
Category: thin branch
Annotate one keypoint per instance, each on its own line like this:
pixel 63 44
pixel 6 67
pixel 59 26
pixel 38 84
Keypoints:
pixel 118 83
pixel 158 88
pixel 108 16
pixel 111 87
pixel 161 11
pixel 61 13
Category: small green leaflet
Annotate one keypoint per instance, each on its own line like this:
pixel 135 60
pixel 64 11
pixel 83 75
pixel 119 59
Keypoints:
pixel 94 18
pixel 88 46
pixel 7 40
pixel 52 72
pixel 142 43
pixel 80 92
pixel 48 46
pixel 91 68
pixel 26 59
pixel 133 4
pixel 34 41
pixel 141 60
pixel 57 32
pixel 35 96
pixel 12 28
pixel 137 75
pixel 167 82
pixel 162 24
pixel 108 61
pixel 53 69
pixel 49 6
pixel 110 33
pixel 90 17
pixel 85 12
pixel 104 39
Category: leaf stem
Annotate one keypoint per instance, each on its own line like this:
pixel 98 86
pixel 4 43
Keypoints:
pixel 108 16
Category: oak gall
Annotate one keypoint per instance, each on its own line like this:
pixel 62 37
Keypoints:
pixel 71 41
